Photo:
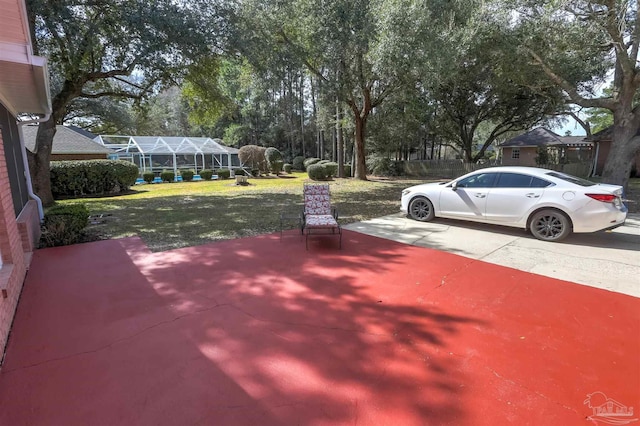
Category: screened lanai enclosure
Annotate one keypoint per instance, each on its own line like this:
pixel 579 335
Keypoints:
pixel 158 153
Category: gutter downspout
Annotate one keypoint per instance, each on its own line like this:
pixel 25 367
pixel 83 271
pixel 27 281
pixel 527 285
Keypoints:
pixel 594 164
pixel 27 174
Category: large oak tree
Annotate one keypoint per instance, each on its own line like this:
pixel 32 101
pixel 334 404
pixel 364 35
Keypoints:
pixel 111 48
pixel 580 45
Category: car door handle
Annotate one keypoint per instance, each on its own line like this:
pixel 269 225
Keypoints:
pixel 532 195
pixel 478 195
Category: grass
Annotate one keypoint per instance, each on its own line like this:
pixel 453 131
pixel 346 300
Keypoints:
pixel 168 216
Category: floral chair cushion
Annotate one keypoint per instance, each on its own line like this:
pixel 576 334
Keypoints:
pixel 321 221
pixel 317 200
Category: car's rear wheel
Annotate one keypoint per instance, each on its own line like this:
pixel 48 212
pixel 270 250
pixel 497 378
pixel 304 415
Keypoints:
pixel 550 225
pixel 421 209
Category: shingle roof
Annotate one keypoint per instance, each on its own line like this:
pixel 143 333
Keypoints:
pixel 65 141
pixel 536 137
pixel 543 137
pixel 82 131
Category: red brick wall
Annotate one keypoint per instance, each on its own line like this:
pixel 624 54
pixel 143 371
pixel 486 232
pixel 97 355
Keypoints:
pixel 13 269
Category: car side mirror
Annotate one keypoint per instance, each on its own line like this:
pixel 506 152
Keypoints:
pixel 454 186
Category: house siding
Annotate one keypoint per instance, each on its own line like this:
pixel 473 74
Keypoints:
pixel 527 157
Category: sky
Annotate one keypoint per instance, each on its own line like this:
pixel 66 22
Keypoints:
pixel 572 126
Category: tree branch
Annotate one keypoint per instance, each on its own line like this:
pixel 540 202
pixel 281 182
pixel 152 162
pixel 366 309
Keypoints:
pixel 569 89
pixel 115 94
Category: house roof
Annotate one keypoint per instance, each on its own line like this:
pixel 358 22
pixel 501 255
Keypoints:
pixel 605 134
pixel 544 137
pixel 65 141
pixel 24 78
pixel 83 132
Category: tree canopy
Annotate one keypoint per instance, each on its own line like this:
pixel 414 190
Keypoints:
pixel 343 79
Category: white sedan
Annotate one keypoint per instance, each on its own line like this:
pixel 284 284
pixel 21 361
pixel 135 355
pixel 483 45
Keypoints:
pixel 548 203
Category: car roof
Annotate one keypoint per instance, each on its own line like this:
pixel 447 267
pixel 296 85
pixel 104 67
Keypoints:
pixel 517 169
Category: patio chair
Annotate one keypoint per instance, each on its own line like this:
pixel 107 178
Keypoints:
pixel 318 216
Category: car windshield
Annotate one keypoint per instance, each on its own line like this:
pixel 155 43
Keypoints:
pixel 572 179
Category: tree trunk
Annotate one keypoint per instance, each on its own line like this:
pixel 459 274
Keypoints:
pixel 625 145
pixel 340 139
pixel 361 164
pixel 39 161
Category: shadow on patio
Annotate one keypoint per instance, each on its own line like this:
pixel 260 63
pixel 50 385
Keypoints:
pixel 260 331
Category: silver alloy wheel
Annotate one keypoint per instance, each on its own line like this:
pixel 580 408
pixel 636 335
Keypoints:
pixel 421 209
pixel 550 225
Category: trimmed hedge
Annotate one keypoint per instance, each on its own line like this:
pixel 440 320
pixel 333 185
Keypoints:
pixel 331 168
pixel 310 161
pixel 187 175
pixel 88 177
pixel 167 176
pixel 347 170
pixel 206 174
pixel 287 168
pixel 148 177
pixel 317 172
pixel 224 173
pixel 239 172
pixel 64 225
pixel 298 163
pixel 274 160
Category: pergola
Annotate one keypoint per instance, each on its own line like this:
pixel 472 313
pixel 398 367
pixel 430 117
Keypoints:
pixel 157 153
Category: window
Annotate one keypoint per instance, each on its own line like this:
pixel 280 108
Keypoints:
pixel 517 180
pixel 515 153
pixel 572 179
pixel 481 180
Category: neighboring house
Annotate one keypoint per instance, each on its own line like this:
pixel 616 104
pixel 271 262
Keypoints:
pixel 523 150
pixel 602 141
pixel 24 88
pixel 68 144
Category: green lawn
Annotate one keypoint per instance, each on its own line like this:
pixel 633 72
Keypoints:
pixel 173 215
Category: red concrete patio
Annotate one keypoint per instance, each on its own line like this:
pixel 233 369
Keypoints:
pixel 259 331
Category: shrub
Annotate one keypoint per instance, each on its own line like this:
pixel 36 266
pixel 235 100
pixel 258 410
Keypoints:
pixel 317 172
pixel 347 170
pixel 167 176
pixel 276 166
pixel 287 168
pixel 331 168
pixel 74 178
pixel 298 163
pixel 224 174
pixel 274 160
pixel 310 161
pixel 239 172
pixel 255 172
pixel 383 166
pixel 64 225
pixel 206 174
pixel 253 156
pixel 187 175
pixel 148 177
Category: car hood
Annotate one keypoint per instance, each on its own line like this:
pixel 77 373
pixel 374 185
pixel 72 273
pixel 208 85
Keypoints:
pixel 426 186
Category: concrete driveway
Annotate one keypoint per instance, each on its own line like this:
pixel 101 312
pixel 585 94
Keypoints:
pixel 609 260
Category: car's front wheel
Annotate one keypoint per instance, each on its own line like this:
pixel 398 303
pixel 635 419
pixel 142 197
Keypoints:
pixel 421 209
pixel 550 225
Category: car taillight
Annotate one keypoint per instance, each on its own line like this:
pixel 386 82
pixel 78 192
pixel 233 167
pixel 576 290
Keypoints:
pixel 605 198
